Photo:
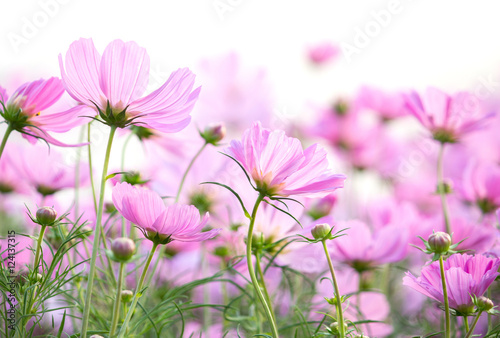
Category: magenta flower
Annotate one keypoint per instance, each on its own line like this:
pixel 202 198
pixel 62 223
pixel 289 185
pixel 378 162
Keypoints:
pixel 387 105
pixel 113 86
pixel 28 111
pixel 159 223
pixel 448 118
pixel 323 53
pixel 466 276
pixel 279 166
pixel 363 248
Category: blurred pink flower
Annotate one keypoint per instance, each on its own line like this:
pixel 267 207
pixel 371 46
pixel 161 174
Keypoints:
pixel 280 167
pixel 448 118
pixel 32 101
pixel 481 185
pixel 385 104
pixel 233 93
pixel 363 248
pixel 323 53
pixel 158 222
pixel 118 80
pixel 46 171
pixel 466 275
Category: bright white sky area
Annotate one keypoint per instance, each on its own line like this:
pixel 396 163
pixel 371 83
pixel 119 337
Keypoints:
pixel 449 44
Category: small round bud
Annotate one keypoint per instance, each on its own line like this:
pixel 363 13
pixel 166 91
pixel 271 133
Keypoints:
pixel 439 242
pixel 320 231
pixel 127 296
pixel 214 133
pixel 484 304
pixel 322 207
pixel 46 215
pixel 123 248
pixel 335 327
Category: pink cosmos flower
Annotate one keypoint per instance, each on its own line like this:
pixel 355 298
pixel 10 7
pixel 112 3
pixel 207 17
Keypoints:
pixel 364 249
pixel 387 105
pixel 466 275
pixel 448 118
pixel 158 222
pixel 323 53
pixel 279 166
pixel 481 185
pixel 114 84
pixel 28 111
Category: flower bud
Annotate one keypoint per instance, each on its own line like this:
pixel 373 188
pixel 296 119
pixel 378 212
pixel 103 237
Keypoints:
pixel 335 327
pixel 214 133
pixel 123 248
pixel 322 207
pixel 127 296
pixel 321 231
pixel 439 242
pixel 484 304
pixel 46 215
pixel 221 251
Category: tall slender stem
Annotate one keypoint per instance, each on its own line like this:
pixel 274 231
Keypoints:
pixel 340 314
pixel 263 284
pixel 187 171
pixel 38 249
pixel 446 302
pixel 251 271
pixel 116 306
pixel 97 233
pixel 441 188
pixel 138 289
pixel 474 323
pixel 466 323
pixel 91 173
pixel 4 140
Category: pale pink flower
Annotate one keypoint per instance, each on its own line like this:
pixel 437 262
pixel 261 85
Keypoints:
pixel 387 105
pixel 33 101
pixel 323 53
pixel 146 209
pixel 466 276
pixel 279 166
pixel 481 185
pixel 447 117
pixel 116 81
pixel 364 248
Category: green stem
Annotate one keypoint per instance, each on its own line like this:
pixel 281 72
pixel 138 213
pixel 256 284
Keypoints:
pixel 38 249
pixel 5 137
pixel 466 323
pixel 116 306
pixel 340 315
pixel 77 174
pixel 441 189
pixel 91 172
pixel 97 233
pixel 263 284
pixel 251 271
pixel 187 171
pixel 123 329
pixel 446 302
pixel 474 323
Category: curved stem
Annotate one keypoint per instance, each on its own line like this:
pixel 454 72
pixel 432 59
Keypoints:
pixel 97 233
pixel 4 140
pixel 263 284
pixel 445 296
pixel 251 271
pixel 441 190
pixel 340 315
pixel 187 171
pixel 474 323
pixel 123 329
pixel 116 306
